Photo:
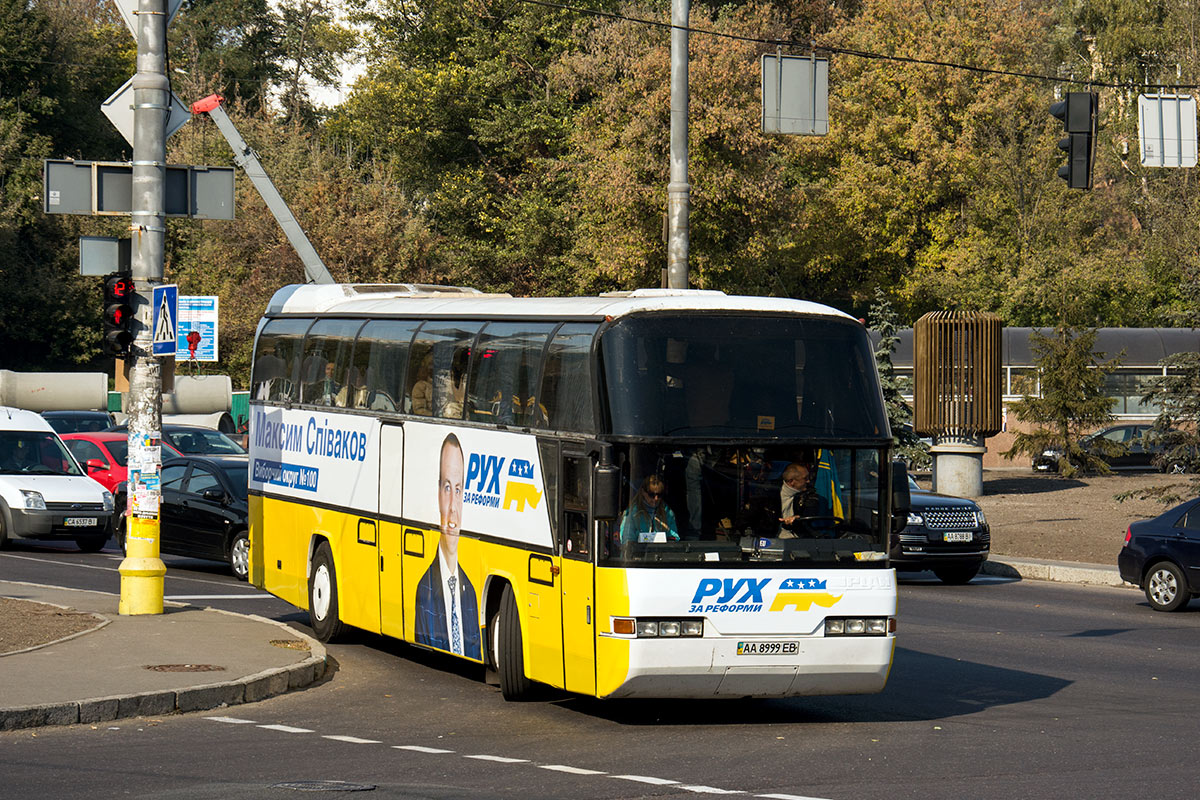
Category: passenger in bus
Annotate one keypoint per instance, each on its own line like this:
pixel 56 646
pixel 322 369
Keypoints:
pixel 447 612
pixel 649 518
pixel 797 499
pixel 422 390
pixel 329 387
pixel 452 387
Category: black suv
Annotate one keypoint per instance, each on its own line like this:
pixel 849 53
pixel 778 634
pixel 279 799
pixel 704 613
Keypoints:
pixel 945 534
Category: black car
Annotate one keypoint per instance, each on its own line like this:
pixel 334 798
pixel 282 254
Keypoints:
pixel 1162 556
pixel 1134 451
pixel 78 421
pixel 204 511
pixel 945 534
pixel 193 440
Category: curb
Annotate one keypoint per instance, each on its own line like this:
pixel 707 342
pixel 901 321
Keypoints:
pixel 1056 571
pixel 248 689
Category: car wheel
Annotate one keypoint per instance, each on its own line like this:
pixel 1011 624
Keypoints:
pixel 957 574
pixel 1165 587
pixel 322 596
pixel 507 652
pixel 5 542
pixel 91 544
pixel 1176 468
pixel 239 556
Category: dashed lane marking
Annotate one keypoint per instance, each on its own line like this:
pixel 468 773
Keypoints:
pixel 285 728
pixel 571 770
pixel 710 790
pixel 645 779
pixel 416 748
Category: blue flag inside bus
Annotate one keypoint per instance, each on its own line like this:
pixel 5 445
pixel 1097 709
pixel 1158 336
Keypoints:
pixel 826 485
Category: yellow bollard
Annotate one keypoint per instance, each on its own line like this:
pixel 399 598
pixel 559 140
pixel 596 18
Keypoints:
pixel 142 571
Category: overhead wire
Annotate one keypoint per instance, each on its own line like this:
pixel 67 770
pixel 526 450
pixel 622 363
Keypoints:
pixel 813 47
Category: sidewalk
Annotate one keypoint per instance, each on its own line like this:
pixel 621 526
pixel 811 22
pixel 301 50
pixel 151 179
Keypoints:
pixel 185 659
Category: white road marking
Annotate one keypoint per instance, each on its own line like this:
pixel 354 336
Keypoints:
pixel 106 569
pixel 697 789
pixel 645 779
pixel 285 728
pixel 217 597
pixel 710 790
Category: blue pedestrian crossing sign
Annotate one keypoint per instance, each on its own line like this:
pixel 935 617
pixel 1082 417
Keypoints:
pixel 165 303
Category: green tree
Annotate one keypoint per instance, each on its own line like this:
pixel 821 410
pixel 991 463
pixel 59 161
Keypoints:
pixel 882 320
pixel 1072 401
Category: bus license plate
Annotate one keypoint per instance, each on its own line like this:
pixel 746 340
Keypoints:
pixel 768 648
pixel 80 522
pixel 958 536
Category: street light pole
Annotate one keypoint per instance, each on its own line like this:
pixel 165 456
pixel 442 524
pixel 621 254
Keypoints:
pixel 142 570
pixel 678 189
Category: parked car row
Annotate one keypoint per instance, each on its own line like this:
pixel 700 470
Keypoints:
pixel 1128 441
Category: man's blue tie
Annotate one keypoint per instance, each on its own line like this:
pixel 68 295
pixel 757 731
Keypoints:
pixel 455 633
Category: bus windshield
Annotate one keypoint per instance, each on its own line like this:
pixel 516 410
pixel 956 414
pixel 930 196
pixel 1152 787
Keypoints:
pixel 741 376
pixel 747 505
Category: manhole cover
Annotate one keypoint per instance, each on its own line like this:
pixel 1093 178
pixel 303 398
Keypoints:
pixel 324 786
pixel 291 644
pixel 184 668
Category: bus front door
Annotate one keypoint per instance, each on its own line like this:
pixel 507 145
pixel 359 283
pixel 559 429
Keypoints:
pixel 578 576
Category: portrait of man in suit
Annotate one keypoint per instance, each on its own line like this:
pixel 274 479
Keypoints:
pixel 447 610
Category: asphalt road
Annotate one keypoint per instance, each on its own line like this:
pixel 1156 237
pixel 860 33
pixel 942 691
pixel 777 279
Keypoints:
pixel 999 689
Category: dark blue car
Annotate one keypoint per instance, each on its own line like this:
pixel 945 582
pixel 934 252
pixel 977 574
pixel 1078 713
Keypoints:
pixel 1162 556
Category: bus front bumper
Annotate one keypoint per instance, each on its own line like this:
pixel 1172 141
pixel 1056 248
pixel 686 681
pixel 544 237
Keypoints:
pixel 712 667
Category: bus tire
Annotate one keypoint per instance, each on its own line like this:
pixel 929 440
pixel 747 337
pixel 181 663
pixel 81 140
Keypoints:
pixel 508 655
pixel 322 596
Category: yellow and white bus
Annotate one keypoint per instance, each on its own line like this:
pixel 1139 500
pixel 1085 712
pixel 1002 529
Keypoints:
pixel 644 494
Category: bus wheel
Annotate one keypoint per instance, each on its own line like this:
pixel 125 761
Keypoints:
pixel 509 658
pixel 322 596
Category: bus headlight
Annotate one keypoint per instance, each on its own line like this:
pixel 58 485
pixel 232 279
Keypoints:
pixel 859 626
pixel 691 627
pixel 647 627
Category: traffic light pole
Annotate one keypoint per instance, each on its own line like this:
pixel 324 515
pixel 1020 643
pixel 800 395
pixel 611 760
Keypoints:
pixel 142 570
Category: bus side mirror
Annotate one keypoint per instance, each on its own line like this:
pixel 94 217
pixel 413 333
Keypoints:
pixel 901 497
pixel 606 496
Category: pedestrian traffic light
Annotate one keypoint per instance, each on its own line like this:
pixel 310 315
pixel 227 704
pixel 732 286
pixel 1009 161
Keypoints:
pixel 1078 113
pixel 118 314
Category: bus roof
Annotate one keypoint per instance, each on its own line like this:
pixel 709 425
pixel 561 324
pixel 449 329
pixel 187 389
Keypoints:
pixel 421 300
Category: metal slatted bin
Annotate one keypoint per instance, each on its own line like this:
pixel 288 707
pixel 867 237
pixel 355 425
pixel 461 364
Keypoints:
pixel 957 376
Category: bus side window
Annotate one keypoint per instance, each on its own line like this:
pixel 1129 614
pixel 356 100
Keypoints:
pixel 504 372
pixel 438 366
pixel 324 372
pixel 276 359
pixel 381 355
pixel 576 492
pixel 567 380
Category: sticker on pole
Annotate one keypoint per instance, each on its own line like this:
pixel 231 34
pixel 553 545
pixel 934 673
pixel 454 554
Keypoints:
pixel 165 303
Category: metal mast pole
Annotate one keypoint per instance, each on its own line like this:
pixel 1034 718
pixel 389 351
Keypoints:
pixel 142 570
pixel 678 189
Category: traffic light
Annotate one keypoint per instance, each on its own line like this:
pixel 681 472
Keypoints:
pixel 1078 113
pixel 118 314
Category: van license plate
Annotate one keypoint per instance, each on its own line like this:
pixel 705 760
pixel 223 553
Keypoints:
pixel 768 648
pixel 958 536
pixel 80 522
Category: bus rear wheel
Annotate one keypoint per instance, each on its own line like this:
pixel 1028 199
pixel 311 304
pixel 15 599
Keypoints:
pixel 505 638
pixel 322 596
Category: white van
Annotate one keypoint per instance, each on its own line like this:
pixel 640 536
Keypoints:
pixel 43 492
